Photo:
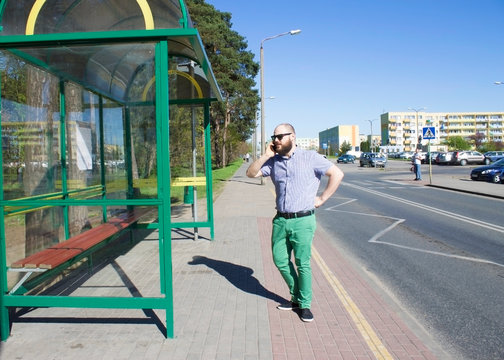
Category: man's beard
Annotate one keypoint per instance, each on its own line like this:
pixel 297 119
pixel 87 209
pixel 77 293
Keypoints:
pixel 286 148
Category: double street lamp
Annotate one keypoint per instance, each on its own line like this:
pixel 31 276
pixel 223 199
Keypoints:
pixel 263 135
pixel 417 133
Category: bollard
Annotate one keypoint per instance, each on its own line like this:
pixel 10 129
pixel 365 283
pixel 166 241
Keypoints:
pixel 188 195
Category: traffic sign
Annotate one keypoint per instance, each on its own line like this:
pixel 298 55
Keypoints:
pixel 429 132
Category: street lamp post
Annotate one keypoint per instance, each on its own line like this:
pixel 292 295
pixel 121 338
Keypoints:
pixel 371 139
pixel 254 139
pixel 255 135
pixel 263 135
pixel 417 133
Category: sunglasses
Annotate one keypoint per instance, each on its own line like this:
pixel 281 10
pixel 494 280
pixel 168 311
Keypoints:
pixel 279 136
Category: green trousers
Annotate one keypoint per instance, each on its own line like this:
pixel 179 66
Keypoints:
pixel 294 236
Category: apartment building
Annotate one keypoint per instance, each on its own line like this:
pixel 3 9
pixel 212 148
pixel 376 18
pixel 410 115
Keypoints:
pixel 374 142
pixel 308 143
pixel 489 125
pixel 330 140
pixel 401 130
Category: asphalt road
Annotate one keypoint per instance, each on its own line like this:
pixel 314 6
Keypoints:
pixel 437 254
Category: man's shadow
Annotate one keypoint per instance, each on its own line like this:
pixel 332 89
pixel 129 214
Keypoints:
pixel 239 276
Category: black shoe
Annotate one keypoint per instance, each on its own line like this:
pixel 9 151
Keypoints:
pixel 288 306
pixel 306 315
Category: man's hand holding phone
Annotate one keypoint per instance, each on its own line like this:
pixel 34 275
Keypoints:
pixel 254 170
pixel 271 149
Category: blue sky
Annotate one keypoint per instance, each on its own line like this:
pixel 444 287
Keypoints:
pixel 356 59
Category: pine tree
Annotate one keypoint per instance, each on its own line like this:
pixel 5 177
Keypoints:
pixel 233 119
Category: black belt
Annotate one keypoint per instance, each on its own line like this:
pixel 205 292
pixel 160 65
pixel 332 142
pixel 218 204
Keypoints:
pixel 296 214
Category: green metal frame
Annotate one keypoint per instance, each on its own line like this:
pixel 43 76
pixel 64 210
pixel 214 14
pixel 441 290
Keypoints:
pixel 161 38
pixel 209 223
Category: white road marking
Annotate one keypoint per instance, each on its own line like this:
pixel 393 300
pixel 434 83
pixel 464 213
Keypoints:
pixel 449 214
pixel 375 238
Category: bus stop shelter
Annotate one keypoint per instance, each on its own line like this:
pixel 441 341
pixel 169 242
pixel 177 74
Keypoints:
pixel 105 113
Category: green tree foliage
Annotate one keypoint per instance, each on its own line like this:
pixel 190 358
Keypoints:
pixel 477 139
pixel 13 81
pixel 233 119
pixel 364 146
pixel 491 146
pixel 345 147
pixel 457 143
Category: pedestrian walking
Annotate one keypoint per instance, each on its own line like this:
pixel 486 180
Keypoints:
pixel 296 174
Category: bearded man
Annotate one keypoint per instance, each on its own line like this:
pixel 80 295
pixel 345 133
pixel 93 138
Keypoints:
pixel 296 174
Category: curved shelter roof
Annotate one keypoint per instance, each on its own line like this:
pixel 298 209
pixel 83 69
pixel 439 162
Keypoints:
pixel 76 24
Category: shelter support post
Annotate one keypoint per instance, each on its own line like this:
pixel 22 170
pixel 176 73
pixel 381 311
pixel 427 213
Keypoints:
pixel 163 130
pixel 208 165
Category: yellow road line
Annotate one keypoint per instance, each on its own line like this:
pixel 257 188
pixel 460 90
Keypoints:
pixel 367 332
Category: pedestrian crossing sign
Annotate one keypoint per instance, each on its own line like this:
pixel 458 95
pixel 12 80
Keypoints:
pixel 429 132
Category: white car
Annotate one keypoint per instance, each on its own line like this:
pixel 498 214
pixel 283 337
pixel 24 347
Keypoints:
pixel 406 155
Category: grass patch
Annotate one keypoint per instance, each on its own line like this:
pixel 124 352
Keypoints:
pixel 149 189
pixel 220 176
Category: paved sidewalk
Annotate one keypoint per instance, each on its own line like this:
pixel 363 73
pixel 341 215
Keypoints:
pixel 225 297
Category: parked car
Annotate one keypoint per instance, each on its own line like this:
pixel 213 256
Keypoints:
pixel 494 155
pixel 467 157
pixel 493 172
pixel 432 155
pixel 346 159
pixel 406 155
pixel 501 175
pixel 371 159
pixel 444 158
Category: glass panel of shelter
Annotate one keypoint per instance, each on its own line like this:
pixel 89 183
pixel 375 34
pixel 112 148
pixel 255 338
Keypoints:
pixel 32 132
pixel 187 162
pixel 110 145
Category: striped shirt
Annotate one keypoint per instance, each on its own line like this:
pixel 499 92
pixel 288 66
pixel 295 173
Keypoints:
pixel 296 179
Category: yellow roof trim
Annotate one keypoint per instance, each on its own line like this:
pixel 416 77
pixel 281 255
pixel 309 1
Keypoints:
pixel 171 72
pixel 147 14
pixel 37 6
pixel 32 18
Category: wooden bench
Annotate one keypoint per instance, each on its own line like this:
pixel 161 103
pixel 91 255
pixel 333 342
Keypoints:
pixel 76 247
